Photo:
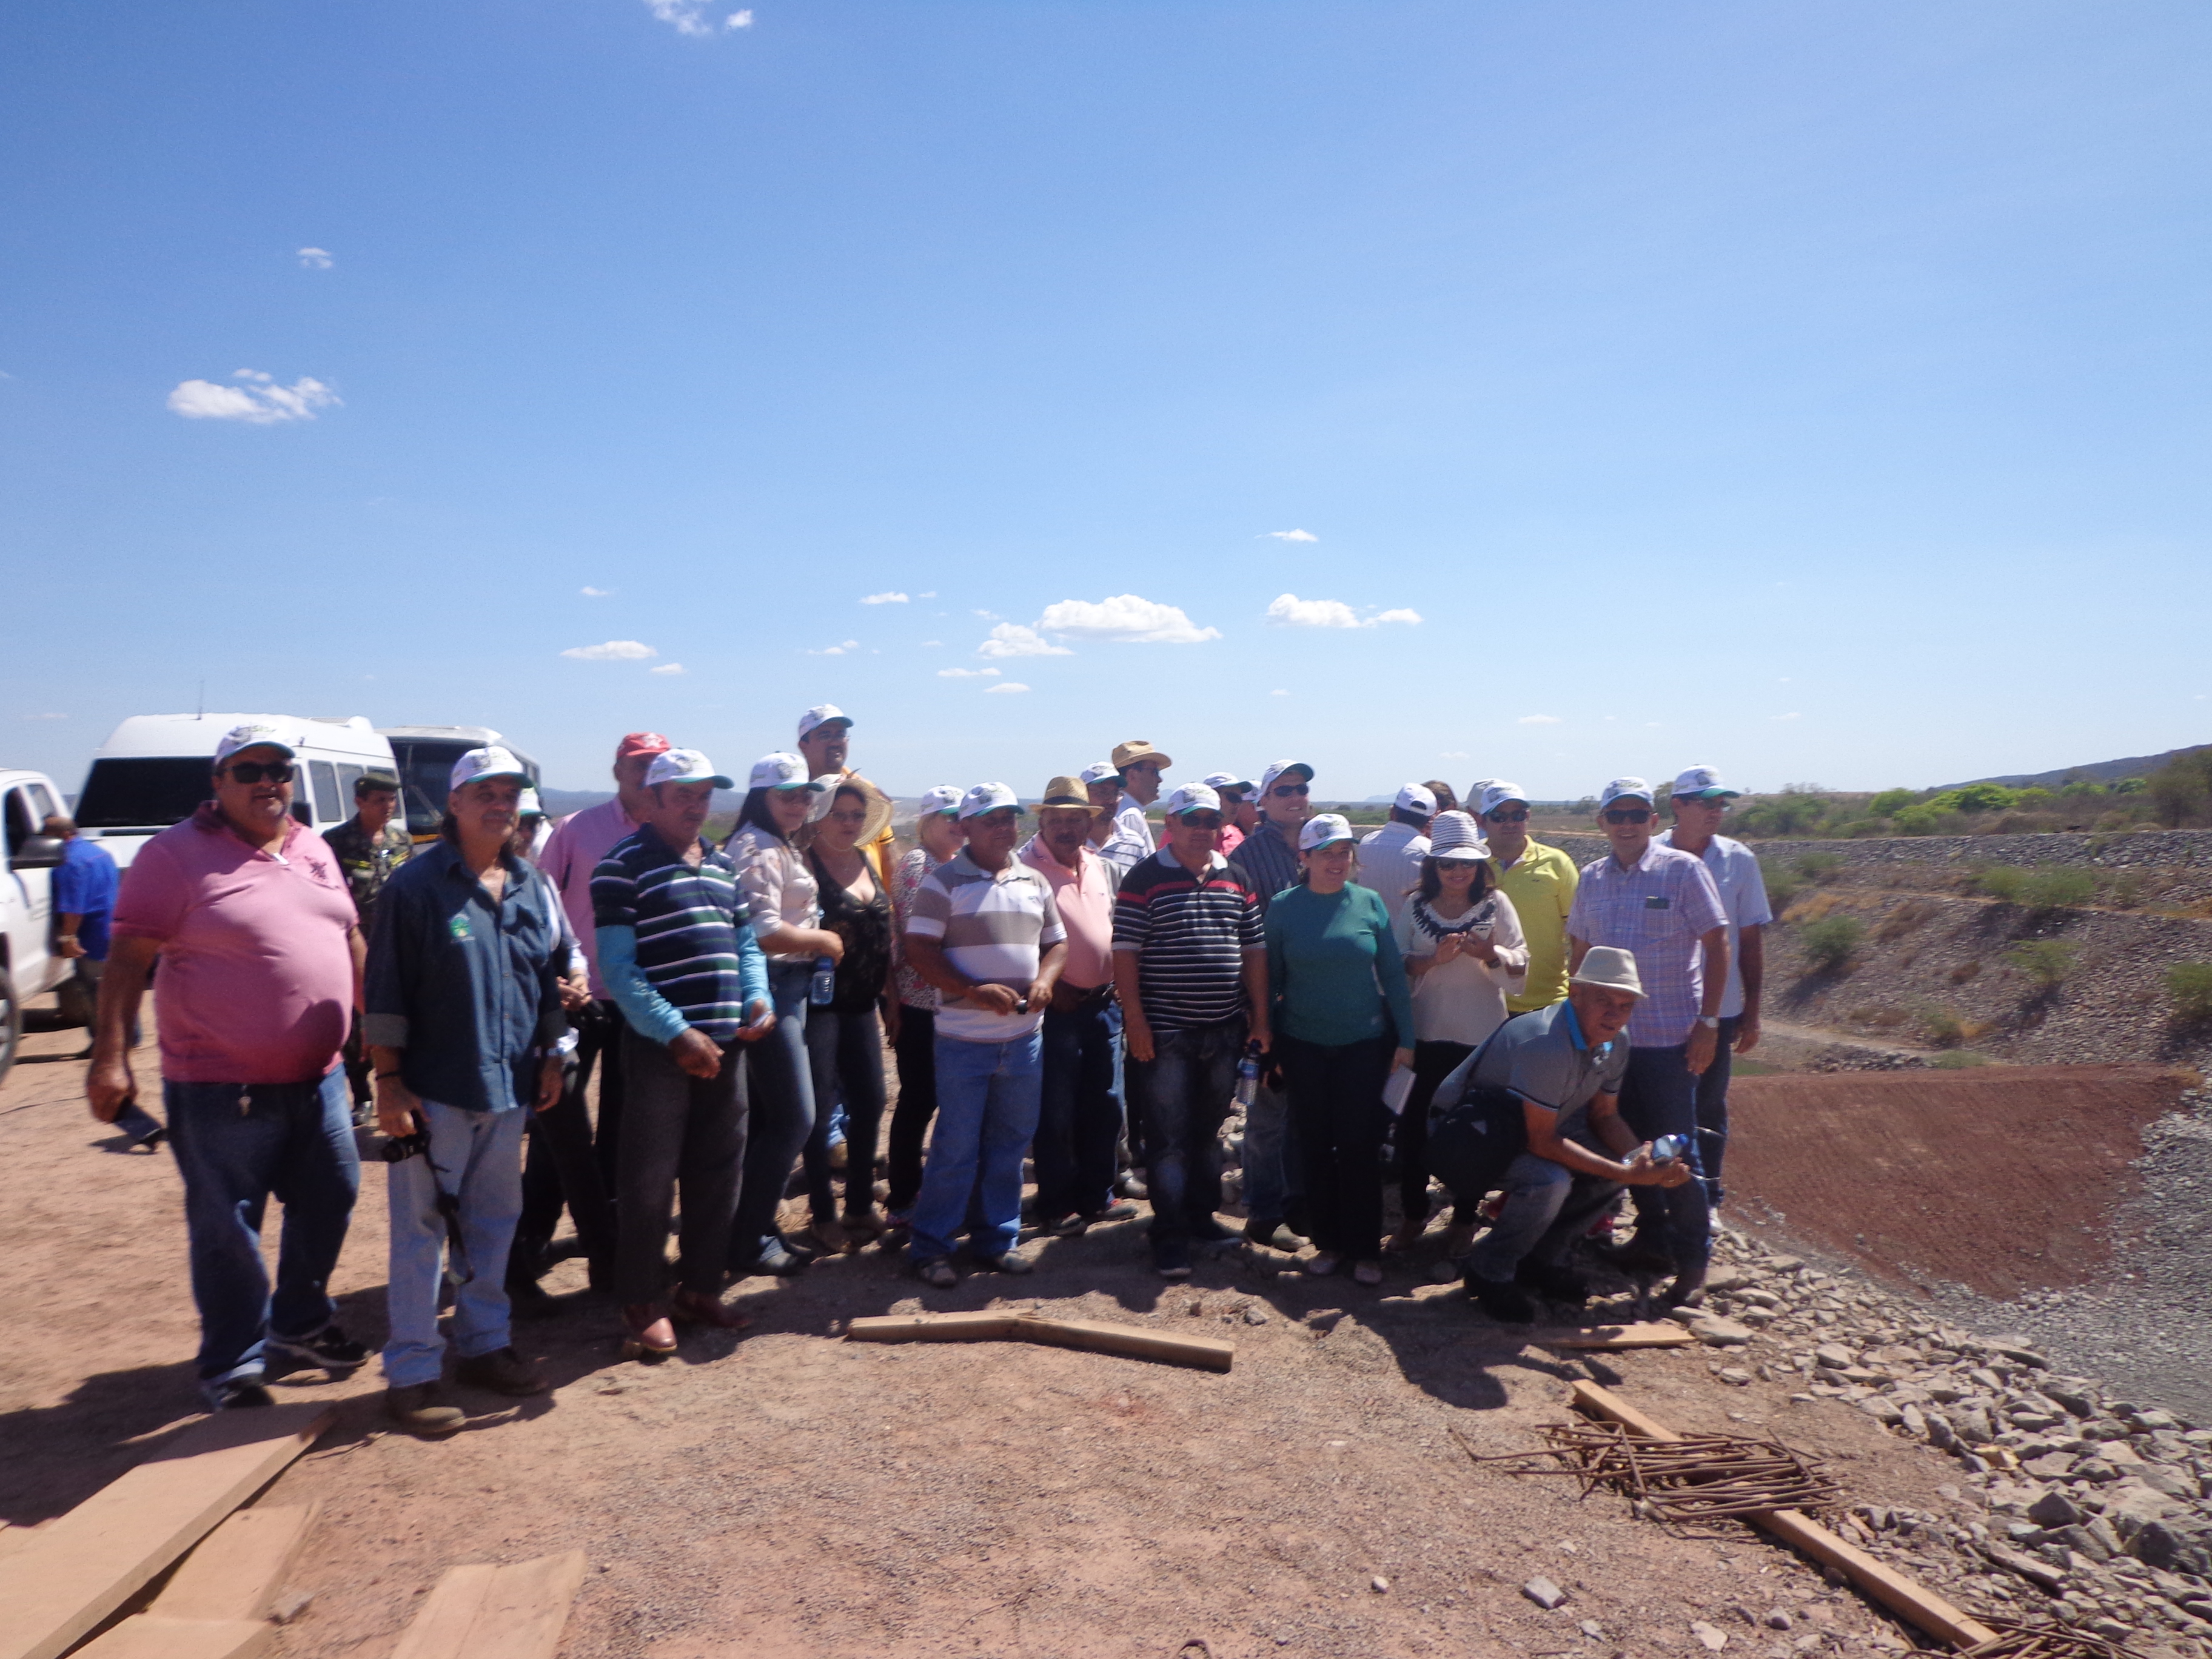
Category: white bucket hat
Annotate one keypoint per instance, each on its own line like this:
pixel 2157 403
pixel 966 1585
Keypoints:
pixel 1454 835
pixel 1609 966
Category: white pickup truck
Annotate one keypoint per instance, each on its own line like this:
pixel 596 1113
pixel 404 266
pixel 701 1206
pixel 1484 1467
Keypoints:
pixel 29 966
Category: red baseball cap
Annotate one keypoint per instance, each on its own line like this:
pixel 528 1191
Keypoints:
pixel 642 743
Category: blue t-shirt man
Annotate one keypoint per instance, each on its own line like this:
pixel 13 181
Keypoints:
pixel 84 884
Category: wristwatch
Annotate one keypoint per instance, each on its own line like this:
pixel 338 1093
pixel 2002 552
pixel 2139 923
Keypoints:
pixel 1710 1022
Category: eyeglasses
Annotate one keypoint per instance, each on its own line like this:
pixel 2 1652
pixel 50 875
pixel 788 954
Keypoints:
pixel 1508 818
pixel 256 771
pixel 1628 815
pixel 1286 790
pixel 1202 820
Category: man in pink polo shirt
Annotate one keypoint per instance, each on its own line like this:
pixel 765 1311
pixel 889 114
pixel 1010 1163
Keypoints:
pixel 261 960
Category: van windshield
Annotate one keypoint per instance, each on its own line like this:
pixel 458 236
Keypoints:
pixel 143 793
pixel 426 771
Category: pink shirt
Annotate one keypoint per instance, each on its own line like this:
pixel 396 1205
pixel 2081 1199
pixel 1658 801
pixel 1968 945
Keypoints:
pixel 579 843
pixel 1085 897
pixel 256 977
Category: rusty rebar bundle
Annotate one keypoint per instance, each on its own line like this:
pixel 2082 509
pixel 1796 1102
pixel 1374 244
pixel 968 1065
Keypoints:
pixel 2015 1640
pixel 1693 1481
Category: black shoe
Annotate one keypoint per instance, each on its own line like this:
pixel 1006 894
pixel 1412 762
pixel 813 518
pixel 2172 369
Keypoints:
pixel 1508 1304
pixel 1273 1236
pixel 527 1299
pixel 330 1348
pixel 1208 1229
pixel 1639 1255
pixel 502 1371
pixel 1171 1258
pixel 1552 1282
pixel 238 1394
pixel 1688 1290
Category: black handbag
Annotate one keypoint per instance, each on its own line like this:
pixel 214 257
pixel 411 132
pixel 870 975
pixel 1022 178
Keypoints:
pixel 1472 1143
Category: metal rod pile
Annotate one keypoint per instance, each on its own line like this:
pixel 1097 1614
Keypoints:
pixel 2017 1641
pixel 1691 1481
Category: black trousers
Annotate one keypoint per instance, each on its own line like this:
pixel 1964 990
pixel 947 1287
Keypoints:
pixel 683 1131
pixel 1335 1093
pixel 846 1052
pixel 1433 1063
pixel 561 1167
pixel 915 1050
pixel 599 1037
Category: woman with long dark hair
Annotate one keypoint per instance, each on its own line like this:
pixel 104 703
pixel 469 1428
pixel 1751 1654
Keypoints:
pixel 1461 941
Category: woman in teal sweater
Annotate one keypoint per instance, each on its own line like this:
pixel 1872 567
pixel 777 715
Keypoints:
pixel 1343 1021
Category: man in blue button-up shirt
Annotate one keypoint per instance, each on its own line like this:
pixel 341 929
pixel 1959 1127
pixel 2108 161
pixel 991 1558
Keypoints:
pixel 463 1019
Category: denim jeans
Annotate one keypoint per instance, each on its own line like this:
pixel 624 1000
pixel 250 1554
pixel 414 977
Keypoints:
pixel 844 1050
pixel 1336 1101
pixel 237 1146
pixel 1548 1206
pixel 1712 1107
pixel 915 1049
pixel 1182 1094
pixel 1274 1185
pixel 478 1157
pixel 1659 1096
pixel 677 1130
pixel 986 1114
pixel 1079 1113
pixel 779 1106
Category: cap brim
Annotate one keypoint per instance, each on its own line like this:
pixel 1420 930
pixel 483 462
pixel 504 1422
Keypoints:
pixel 522 778
pixel 715 778
pixel 1708 794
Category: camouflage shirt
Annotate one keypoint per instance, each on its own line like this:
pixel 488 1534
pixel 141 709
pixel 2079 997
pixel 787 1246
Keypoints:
pixel 369 861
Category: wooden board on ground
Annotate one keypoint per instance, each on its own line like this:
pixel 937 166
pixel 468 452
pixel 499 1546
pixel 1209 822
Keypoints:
pixel 1646 1333
pixel 238 1567
pixel 1904 1596
pixel 1098 1336
pixel 82 1566
pixel 484 1612
pixel 147 1636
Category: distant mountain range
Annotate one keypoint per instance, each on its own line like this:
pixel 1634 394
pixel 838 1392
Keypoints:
pixel 2110 771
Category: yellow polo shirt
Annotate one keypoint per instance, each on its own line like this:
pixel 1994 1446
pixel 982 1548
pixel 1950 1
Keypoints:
pixel 1541 886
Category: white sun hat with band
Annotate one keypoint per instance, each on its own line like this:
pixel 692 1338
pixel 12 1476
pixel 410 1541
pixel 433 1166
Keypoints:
pixel 1453 836
pixel 1611 967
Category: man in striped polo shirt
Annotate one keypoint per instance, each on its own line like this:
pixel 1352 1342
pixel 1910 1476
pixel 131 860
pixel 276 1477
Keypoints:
pixel 984 930
pixel 676 951
pixel 1190 963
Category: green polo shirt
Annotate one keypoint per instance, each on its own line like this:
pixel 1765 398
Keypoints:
pixel 1541 886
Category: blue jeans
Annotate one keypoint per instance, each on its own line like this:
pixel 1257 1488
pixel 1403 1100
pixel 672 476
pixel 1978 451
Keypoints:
pixel 845 1051
pixel 1182 1094
pixel 477 1157
pixel 1712 1106
pixel 778 1108
pixel 1274 1186
pixel 1659 1096
pixel 1079 1112
pixel 1548 1206
pixel 987 1113
pixel 237 1146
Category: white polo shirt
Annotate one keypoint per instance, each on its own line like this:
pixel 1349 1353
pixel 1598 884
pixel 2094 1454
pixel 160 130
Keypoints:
pixel 1734 870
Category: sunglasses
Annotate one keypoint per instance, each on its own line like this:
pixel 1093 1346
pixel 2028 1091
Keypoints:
pixel 1628 815
pixel 1507 818
pixel 256 771
pixel 1286 790
pixel 1202 820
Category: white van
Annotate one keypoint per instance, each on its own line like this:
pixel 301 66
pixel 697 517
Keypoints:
pixel 425 757
pixel 153 771
pixel 29 966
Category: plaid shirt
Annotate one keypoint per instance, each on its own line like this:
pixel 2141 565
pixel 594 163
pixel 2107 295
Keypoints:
pixel 1659 908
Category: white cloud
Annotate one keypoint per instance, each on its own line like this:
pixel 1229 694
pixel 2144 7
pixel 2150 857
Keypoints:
pixel 1004 686
pixel 1394 616
pixel 46 717
pixel 666 668
pixel 695 17
pixel 260 402
pixel 844 648
pixel 1540 719
pixel 613 651
pixel 738 20
pixel 988 615
pixel 1293 535
pixel 1291 611
pixel 597 593
pixel 1125 617
pixel 1454 754
pixel 884 598
pixel 930 595
pixel 926 644
pixel 1279 692
pixel 316 258
pixel 1012 640
pixel 1788 717
pixel 966 673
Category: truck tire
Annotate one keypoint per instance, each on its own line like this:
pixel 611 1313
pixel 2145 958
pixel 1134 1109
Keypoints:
pixel 11 1023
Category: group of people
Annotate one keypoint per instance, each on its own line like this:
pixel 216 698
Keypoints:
pixel 1447 987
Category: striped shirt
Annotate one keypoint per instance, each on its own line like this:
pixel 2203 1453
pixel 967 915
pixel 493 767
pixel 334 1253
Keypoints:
pixel 688 923
pixel 994 928
pixel 913 991
pixel 1660 909
pixel 1190 934
pixel 1269 862
pixel 1131 838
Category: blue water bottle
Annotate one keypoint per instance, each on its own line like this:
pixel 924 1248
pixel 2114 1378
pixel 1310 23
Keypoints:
pixel 825 982
pixel 1247 1076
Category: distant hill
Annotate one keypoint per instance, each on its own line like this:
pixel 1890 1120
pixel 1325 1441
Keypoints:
pixel 2110 771
pixel 559 803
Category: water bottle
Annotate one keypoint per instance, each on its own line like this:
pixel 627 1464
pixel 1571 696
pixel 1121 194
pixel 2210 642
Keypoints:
pixel 1666 1149
pixel 1247 1076
pixel 825 982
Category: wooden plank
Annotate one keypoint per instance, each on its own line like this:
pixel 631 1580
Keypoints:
pixel 238 1569
pixel 1100 1336
pixel 1902 1596
pixel 87 1564
pixel 1647 1334
pixel 929 1327
pixel 486 1612
pixel 150 1637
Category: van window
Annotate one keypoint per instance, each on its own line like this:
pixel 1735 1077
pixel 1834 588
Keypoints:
pixel 326 792
pixel 21 826
pixel 348 776
pixel 42 803
pixel 144 793
pixel 426 770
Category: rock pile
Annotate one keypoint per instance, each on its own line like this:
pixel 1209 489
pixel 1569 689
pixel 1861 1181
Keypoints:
pixel 2097 1506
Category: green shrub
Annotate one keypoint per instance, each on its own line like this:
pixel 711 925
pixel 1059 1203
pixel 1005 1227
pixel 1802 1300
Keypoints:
pixel 2058 887
pixel 1818 866
pixel 2131 786
pixel 1958 1060
pixel 1928 819
pixel 1943 1026
pixel 2190 985
pixel 2046 962
pixel 1890 802
pixel 2002 881
pixel 1781 886
pixel 1830 943
pixel 2081 789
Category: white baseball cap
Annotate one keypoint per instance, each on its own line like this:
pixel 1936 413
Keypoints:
pixel 686 766
pixel 1625 789
pixel 987 798
pixel 1276 769
pixel 1495 792
pixel 493 761
pixel 821 714
pixel 1413 797
pixel 1193 798
pixel 1455 835
pixel 1704 783
pixel 1610 966
pixel 946 798
pixel 250 736
pixel 531 806
pixel 776 771
pixel 1231 781
pixel 1098 772
pixel 1321 831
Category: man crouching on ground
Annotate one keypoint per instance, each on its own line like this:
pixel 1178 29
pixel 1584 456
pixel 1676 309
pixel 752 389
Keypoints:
pixel 1562 1067
pixel 463 1019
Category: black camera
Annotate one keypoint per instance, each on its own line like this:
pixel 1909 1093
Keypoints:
pixel 399 1148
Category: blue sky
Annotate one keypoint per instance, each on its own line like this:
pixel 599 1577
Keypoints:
pixel 1816 391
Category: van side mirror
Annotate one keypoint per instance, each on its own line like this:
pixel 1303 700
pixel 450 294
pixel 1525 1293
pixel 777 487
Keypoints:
pixel 39 852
